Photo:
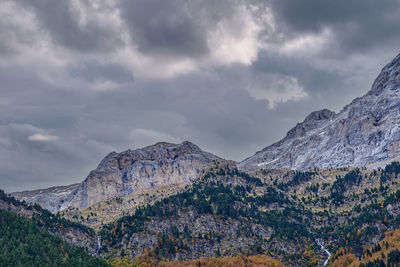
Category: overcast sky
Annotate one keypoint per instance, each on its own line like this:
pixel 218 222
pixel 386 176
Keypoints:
pixel 82 78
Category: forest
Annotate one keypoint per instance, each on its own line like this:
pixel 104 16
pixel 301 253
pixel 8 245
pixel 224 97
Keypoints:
pixel 23 243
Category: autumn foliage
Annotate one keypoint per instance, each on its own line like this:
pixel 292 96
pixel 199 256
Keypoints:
pixel 385 251
pixel 145 260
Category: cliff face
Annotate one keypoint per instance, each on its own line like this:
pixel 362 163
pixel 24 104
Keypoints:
pixel 120 174
pixel 131 171
pixel 364 132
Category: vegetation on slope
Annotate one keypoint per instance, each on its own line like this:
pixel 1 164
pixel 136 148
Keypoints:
pixel 148 260
pixel 271 213
pixel 40 216
pixel 278 216
pixel 351 207
pixel 71 232
pixel 365 223
pixel 222 214
pixel 384 253
pixel 24 244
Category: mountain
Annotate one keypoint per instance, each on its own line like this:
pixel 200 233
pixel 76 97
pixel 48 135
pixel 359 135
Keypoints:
pixel 366 131
pixel 121 174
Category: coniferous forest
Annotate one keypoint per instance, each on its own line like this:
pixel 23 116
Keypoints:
pixel 23 243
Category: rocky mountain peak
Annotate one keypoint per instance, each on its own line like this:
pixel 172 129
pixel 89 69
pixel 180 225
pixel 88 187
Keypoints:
pixel 388 79
pixel 130 171
pixel 320 115
pixel 157 152
pixel 185 147
pixel 366 131
pixel 120 174
pixel 312 121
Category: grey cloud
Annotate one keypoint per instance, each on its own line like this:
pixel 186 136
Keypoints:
pixel 12 35
pixel 26 164
pixel 6 44
pixel 61 22
pixel 164 27
pixel 317 82
pixel 175 28
pixel 358 25
pixel 93 71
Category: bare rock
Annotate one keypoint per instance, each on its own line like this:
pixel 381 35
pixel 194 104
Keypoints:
pixel 121 174
pixel 367 131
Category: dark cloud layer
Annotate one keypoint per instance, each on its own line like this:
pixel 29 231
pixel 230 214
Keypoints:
pixel 358 25
pixel 81 78
pixel 61 21
pixel 155 30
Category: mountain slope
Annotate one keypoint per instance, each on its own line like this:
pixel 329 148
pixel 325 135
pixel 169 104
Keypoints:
pixel 49 198
pixel 73 233
pixel 384 253
pixel 223 213
pixel 364 132
pixel 25 244
pixel 121 174
pixel 284 214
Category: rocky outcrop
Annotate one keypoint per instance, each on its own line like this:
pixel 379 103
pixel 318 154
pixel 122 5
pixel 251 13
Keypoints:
pixel 364 132
pixel 49 198
pixel 131 171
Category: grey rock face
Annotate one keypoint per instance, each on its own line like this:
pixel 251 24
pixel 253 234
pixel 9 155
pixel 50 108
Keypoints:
pixel 366 131
pixel 120 174
pixel 51 198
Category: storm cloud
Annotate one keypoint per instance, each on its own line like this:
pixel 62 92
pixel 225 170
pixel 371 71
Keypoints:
pixel 82 78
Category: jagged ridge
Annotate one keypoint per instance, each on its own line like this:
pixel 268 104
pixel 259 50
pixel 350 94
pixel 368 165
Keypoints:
pixel 364 132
